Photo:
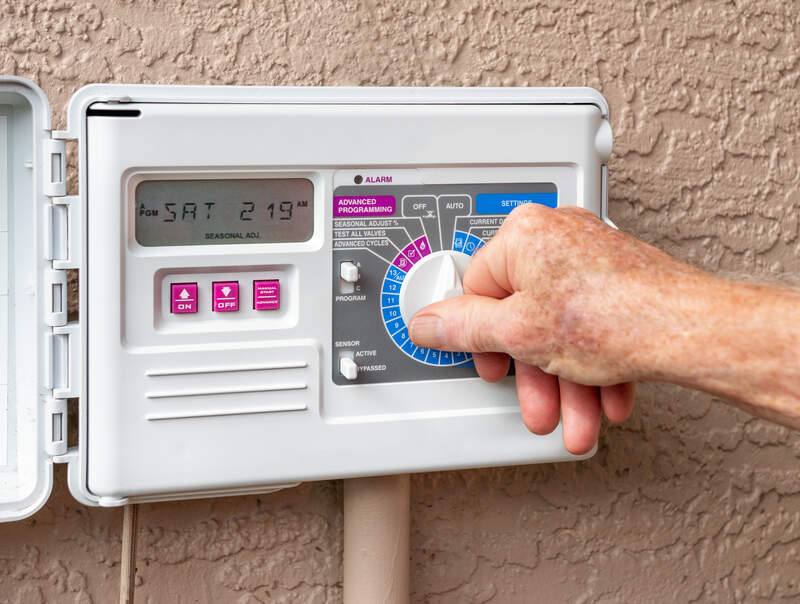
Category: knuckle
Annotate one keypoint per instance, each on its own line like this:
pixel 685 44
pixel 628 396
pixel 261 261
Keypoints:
pixel 513 330
pixel 474 332
pixel 530 215
pixel 578 212
pixel 457 331
pixel 477 332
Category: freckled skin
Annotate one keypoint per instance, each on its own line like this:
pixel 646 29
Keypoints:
pixel 586 311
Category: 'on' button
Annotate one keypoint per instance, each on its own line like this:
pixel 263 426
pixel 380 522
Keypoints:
pixel 183 298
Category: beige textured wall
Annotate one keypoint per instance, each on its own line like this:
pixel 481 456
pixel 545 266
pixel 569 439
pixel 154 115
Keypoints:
pixel 687 501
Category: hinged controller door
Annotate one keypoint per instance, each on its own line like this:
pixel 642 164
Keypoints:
pixel 32 421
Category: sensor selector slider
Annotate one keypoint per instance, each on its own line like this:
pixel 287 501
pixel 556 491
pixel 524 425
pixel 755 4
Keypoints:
pixel 348 368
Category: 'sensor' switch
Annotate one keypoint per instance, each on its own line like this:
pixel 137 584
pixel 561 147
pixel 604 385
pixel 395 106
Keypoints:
pixel 348 368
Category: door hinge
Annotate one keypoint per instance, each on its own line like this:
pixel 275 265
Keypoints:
pixel 62 223
pixel 62 361
pixel 61 251
pixel 55 425
pixel 55 167
pixel 55 297
pixel 63 232
pixel 62 370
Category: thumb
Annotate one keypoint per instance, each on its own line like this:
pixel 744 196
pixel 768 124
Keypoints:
pixel 463 324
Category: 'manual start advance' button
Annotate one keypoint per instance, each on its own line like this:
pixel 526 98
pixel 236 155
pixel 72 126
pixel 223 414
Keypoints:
pixel 267 294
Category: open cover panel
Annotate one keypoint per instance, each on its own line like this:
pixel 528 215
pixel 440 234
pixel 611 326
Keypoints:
pixel 26 473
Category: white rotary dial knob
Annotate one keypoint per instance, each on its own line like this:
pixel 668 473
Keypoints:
pixel 434 278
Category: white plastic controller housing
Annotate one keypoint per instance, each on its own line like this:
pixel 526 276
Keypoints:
pixel 211 403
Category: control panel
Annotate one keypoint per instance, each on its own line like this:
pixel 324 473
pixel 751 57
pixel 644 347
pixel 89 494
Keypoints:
pixel 397 249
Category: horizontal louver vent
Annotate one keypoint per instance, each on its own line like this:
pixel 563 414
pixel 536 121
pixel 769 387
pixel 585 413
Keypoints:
pixel 224 390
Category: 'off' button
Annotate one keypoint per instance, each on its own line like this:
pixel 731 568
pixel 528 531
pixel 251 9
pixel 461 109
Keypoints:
pixel 225 296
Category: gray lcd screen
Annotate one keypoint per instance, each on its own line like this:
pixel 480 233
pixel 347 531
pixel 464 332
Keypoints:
pixel 220 211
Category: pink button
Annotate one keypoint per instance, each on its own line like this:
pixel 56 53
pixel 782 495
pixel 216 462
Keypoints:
pixel 226 296
pixel 423 246
pixel 267 294
pixel 411 252
pixel 183 297
pixel 402 262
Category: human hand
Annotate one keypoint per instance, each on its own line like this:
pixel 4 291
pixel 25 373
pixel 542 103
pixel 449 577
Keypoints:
pixel 561 293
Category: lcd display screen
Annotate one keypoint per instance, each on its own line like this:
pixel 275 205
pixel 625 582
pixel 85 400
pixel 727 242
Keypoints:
pixel 223 211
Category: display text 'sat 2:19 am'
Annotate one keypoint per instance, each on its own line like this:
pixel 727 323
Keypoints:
pixel 223 211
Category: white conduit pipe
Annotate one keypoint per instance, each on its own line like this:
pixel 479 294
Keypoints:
pixel 376 540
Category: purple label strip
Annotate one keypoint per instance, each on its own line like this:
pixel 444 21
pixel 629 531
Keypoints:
pixel 363 205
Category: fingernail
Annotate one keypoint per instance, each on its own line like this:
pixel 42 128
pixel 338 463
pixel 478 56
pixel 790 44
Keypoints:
pixel 427 331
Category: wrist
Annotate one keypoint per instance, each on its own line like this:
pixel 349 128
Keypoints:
pixel 738 340
pixel 684 322
pixel 698 312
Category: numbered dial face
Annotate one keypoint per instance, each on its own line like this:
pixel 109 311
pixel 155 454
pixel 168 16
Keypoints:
pixel 418 278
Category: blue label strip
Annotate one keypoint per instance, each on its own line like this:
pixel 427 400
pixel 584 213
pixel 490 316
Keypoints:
pixel 499 203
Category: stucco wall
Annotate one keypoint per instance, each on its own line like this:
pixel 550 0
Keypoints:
pixel 687 501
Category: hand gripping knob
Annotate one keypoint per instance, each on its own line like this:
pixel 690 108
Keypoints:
pixel 434 278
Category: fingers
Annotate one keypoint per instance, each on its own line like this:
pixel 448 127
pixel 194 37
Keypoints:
pixel 538 398
pixel 544 398
pixel 490 271
pixel 492 366
pixel 617 401
pixel 487 272
pixel 462 324
pixel 580 416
